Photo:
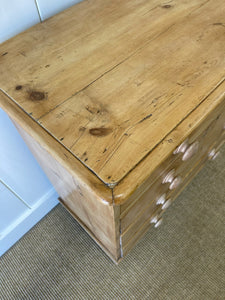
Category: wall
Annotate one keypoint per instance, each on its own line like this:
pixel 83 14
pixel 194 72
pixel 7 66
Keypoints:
pixel 26 195
pixel 18 15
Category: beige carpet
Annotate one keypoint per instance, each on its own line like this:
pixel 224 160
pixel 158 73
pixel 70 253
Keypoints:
pixel 183 259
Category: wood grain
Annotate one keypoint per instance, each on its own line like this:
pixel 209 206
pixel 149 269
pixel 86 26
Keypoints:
pixel 101 90
pixel 104 92
pixel 83 175
pixel 137 182
pixel 80 191
pixel 145 207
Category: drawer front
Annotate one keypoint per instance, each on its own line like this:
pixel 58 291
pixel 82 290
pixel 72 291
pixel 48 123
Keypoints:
pixel 200 146
pixel 153 214
pixel 155 210
pixel 206 134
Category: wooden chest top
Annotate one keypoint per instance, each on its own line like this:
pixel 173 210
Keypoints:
pixel 111 81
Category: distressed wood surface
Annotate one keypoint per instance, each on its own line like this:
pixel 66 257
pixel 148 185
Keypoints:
pixel 130 237
pixel 141 224
pixel 99 220
pixel 81 192
pixel 137 182
pixel 103 94
pixel 86 180
pixel 110 79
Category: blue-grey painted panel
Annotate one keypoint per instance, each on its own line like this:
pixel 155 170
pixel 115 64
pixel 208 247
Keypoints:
pixel 26 221
pixel 48 8
pixel 11 209
pixel 18 168
pixel 16 16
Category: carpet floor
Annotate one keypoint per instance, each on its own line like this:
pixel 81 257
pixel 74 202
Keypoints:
pixel 182 259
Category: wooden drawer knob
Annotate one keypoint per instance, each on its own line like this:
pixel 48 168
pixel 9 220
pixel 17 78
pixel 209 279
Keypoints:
pixel 175 183
pixel 191 151
pixel 182 148
pixel 166 204
pixel 169 177
pixel 156 220
pixel 213 154
pixel 158 223
pixel 161 200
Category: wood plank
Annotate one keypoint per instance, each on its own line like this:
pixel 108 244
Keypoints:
pixel 109 88
pixel 64 54
pixel 104 92
pixel 147 206
pixel 99 219
pixel 84 177
pixel 116 256
pixel 139 180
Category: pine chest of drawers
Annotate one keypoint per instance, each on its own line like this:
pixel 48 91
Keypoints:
pixel 122 103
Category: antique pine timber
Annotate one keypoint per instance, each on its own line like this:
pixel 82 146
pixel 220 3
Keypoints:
pixel 122 103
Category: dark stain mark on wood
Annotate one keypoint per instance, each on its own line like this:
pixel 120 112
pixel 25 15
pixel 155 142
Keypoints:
pixel 105 150
pixel 37 96
pixel 206 131
pixel 62 139
pixel 4 53
pixel 170 141
pixel 219 24
pixel 22 53
pixel 92 110
pixel 109 177
pixel 47 66
pixel 205 62
pixel 89 110
pixel 138 83
pixel 86 159
pixel 31 114
pixel 166 6
pixel 19 87
pixel 60 115
pixel 145 118
pixel 100 132
pixel 126 134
